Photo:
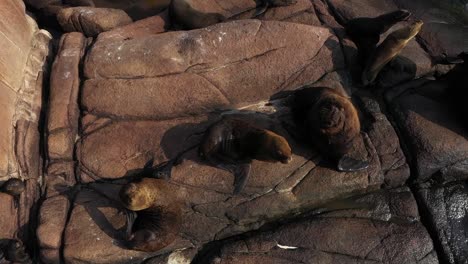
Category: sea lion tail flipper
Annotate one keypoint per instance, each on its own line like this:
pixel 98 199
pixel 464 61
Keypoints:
pixel 241 174
pixel 348 164
pixel 131 216
pixel 262 8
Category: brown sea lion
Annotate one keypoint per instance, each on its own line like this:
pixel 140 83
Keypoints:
pixel 365 31
pixel 154 219
pixel 13 187
pixel 13 250
pixel 231 144
pixel 388 49
pixel 331 123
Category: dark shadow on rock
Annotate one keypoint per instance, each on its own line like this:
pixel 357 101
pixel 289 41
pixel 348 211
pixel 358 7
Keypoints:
pixel 91 202
pixel 398 70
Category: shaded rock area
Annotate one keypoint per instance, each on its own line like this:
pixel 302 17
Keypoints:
pixel 126 99
pixel 382 227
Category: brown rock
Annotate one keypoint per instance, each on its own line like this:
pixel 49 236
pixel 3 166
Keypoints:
pixel 9 219
pixel 213 61
pixel 52 219
pixel 435 137
pixel 63 111
pixel 198 14
pixel 136 9
pixel 378 227
pixel 386 142
pixel 141 28
pixel 90 20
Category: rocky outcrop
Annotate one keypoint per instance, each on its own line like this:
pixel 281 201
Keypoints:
pixel 91 21
pixel 192 14
pixel 381 227
pixel 137 95
pixel 22 68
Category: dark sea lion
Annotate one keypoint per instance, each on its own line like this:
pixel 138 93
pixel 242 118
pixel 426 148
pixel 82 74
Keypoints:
pixel 14 251
pixel 154 219
pixel 265 4
pixel 388 49
pixel 331 123
pixel 365 31
pixel 231 144
pixel 13 187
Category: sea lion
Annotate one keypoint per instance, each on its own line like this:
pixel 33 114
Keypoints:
pixel 331 123
pixel 154 219
pixel 231 144
pixel 365 31
pixel 265 4
pixel 13 187
pixel 388 49
pixel 13 250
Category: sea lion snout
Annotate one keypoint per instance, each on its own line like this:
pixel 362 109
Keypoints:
pixel 287 160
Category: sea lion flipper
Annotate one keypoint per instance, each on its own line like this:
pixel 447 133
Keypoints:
pixel 131 216
pixel 241 174
pixel 348 164
pixel 262 8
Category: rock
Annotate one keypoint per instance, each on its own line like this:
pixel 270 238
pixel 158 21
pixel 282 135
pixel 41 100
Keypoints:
pixel 229 64
pixel 63 111
pixel 22 62
pixel 24 49
pixel 446 211
pixel 386 142
pixel 191 14
pixel 435 137
pixel 322 239
pixel 141 28
pixel 136 9
pixel 52 220
pixel 90 20
pixel 9 221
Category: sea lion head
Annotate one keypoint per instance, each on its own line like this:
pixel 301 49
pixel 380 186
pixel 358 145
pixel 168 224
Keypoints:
pixel 273 148
pixel 13 187
pixel 135 196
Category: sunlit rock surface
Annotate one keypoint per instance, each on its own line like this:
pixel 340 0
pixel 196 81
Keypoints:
pixel 136 95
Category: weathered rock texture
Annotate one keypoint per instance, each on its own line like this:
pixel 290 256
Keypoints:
pixel 136 96
pixel 137 9
pixel 22 65
pixel 382 227
pixel 198 13
pixel 90 20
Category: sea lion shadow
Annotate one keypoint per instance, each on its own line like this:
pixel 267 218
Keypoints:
pixel 92 202
pixel 397 71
